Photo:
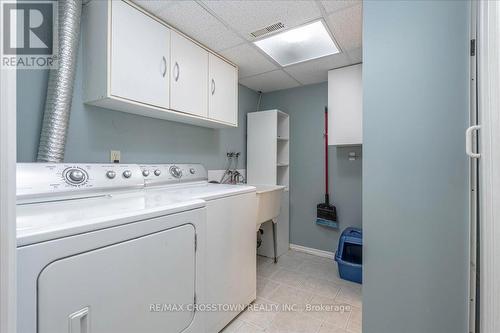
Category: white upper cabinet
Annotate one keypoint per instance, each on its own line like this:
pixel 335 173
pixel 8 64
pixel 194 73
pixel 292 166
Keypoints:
pixel 223 91
pixel 189 65
pixel 140 52
pixel 135 62
pixel 345 106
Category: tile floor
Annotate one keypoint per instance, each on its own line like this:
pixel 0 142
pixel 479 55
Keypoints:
pixel 301 280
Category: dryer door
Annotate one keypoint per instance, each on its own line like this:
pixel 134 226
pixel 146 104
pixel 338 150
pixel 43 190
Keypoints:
pixel 133 286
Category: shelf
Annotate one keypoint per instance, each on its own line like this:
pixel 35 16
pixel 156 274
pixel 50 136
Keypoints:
pixel 282 164
pixel 282 174
pixel 282 139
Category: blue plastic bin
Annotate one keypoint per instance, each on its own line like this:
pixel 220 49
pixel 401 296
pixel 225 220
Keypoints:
pixel 349 255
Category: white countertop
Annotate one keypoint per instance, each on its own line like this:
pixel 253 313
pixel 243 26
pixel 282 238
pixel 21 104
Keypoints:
pixel 44 221
pixel 203 190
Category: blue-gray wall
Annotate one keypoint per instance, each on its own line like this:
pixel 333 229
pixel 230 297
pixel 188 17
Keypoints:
pixel 93 131
pixel 306 106
pixel 415 190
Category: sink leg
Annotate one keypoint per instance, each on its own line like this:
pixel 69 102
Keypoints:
pixel 275 245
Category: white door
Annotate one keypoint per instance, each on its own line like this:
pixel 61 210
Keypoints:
pixel 188 84
pixel 223 91
pixel 139 56
pixel 117 288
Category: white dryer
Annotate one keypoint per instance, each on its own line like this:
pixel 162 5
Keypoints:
pixel 97 254
pixel 231 236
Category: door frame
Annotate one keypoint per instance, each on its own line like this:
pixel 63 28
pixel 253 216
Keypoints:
pixel 7 200
pixel 473 182
pixel 489 118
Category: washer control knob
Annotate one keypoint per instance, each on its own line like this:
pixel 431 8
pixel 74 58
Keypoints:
pixel 157 172
pixel 111 174
pixel 192 171
pixel 176 171
pixel 127 174
pixel 145 172
pixel 76 176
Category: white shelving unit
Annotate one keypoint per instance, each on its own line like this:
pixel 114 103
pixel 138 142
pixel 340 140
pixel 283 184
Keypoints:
pixel 268 162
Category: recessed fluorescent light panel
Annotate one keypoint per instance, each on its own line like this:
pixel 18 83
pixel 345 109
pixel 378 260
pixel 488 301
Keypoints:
pixel 300 44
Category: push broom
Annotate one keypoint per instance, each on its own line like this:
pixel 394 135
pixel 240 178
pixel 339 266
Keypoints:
pixel 326 213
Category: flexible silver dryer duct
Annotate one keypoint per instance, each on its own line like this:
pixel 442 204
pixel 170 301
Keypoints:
pixel 60 84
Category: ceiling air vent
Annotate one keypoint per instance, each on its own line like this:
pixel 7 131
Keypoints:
pixel 271 28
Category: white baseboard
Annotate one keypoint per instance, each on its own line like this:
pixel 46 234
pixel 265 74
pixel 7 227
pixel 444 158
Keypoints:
pixel 314 252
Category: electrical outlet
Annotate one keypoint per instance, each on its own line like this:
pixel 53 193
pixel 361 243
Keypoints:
pixel 115 156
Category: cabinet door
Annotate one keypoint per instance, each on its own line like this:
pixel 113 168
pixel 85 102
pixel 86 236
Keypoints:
pixel 188 84
pixel 139 56
pixel 223 91
pixel 345 106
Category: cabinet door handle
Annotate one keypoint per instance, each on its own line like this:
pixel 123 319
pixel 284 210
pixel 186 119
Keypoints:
pixel 468 141
pixel 213 86
pixel 79 321
pixel 177 71
pixel 164 65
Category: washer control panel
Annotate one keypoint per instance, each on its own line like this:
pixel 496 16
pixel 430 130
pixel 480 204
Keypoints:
pixel 175 171
pixel 39 179
pixel 75 176
pixel 160 174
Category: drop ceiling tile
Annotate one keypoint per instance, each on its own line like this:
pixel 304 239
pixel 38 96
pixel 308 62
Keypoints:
pixel 315 71
pixel 346 25
pixel 248 16
pixel 249 60
pixel 193 20
pixel 204 28
pixel 356 54
pixel 270 81
pixel 153 6
pixel 336 5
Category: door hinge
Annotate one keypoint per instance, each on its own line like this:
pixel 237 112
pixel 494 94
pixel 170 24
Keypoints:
pixel 195 242
pixel 472 47
pixel 195 302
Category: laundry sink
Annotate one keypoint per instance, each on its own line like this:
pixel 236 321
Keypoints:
pixel 269 202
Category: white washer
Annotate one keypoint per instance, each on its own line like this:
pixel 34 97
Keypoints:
pixel 97 254
pixel 231 236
